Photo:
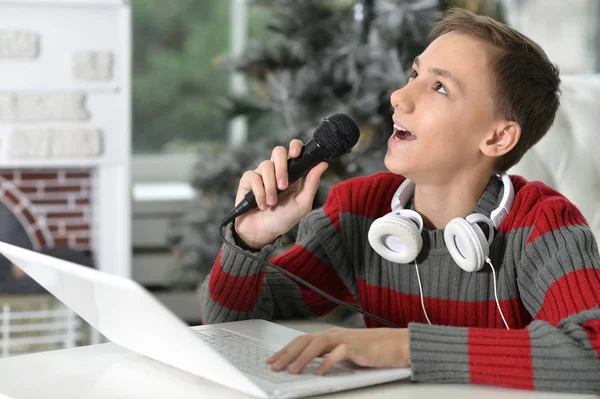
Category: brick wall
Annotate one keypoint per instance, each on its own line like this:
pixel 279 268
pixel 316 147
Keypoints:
pixel 54 205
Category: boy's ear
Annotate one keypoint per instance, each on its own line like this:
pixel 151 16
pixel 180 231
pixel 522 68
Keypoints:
pixel 502 140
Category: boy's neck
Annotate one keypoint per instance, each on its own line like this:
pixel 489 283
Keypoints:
pixel 439 204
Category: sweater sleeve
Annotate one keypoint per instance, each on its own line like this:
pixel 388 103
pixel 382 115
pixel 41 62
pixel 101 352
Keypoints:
pixel 559 282
pixel 239 288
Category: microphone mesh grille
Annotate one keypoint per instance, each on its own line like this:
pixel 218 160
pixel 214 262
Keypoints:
pixel 337 134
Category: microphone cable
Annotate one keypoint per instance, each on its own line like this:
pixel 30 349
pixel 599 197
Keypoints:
pixel 307 284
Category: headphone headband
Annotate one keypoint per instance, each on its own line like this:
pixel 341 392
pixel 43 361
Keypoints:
pixel 407 189
pixel 506 202
pixel 403 194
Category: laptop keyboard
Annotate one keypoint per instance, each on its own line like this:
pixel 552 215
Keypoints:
pixel 250 356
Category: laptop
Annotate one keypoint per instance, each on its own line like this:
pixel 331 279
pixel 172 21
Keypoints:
pixel 232 354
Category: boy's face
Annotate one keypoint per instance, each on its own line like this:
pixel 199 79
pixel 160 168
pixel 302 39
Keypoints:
pixel 448 109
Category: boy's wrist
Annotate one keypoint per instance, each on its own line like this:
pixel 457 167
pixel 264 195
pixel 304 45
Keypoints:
pixel 247 244
pixel 240 242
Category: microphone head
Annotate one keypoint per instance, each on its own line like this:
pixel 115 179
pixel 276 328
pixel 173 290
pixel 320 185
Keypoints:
pixel 337 135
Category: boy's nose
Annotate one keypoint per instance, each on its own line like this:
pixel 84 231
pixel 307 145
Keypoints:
pixel 400 100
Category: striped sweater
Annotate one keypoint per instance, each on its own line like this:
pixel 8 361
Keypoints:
pixel 548 286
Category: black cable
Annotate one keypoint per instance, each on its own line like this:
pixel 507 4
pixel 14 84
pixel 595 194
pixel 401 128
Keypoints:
pixel 306 284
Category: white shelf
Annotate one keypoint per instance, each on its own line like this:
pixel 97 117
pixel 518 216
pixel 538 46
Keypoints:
pixel 160 192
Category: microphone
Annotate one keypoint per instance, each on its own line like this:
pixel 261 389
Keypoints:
pixel 335 136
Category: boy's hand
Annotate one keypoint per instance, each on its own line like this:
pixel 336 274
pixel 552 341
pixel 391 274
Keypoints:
pixel 275 215
pixel 372 347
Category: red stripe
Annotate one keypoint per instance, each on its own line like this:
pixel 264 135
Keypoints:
pixel 234 292
pixel 538 205
pixel 304 264
pixel 500 357
pixel 571 294
pixel 369 196
pixel 553 214
pixel 592 329
pixel 332 210
pixel 401 309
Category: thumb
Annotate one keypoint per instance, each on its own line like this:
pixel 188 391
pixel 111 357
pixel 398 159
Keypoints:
pixel 311 184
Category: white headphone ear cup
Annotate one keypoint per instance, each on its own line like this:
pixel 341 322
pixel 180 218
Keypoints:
pixel 467 244
pixel 396 238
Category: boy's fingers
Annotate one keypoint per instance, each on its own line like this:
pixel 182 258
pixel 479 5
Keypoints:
pixel 267 171
pixel 316 348
pixel 295 148
pixel 252 182
pixel 290 352
pixel 311 184
pixel 279 158
pixel 338 354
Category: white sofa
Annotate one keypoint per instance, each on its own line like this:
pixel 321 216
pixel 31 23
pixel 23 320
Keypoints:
pixel 568 157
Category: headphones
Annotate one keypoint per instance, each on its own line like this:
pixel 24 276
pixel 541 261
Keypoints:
pixel 397 235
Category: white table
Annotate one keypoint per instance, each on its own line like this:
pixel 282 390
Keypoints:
pixel 108 371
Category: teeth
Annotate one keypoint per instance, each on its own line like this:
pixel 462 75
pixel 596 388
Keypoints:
pixel 399 128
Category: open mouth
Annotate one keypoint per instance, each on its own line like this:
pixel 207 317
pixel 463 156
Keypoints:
pixel 402 134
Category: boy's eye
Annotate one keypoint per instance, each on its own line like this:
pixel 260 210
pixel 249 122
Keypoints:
pixel 440 88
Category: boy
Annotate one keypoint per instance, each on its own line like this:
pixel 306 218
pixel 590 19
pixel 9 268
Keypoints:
pixel 479 97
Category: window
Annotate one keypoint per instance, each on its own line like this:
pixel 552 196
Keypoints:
pixel 179 78
pixel 178 48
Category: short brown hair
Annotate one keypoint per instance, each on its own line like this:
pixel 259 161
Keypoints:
pixel 525 83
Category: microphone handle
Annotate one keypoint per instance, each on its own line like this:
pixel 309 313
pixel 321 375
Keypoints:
pixel 310 156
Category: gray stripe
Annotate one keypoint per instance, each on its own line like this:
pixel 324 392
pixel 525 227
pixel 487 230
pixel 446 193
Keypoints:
pixel 427 343
pixel 287 297
pixel 563 358
pixel 239 264
pixel 552 256
pixel 321 237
